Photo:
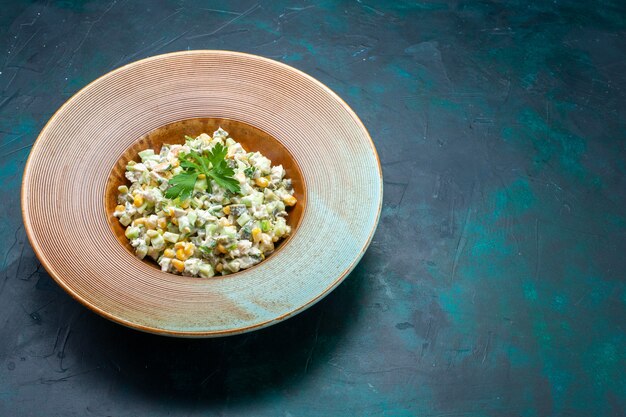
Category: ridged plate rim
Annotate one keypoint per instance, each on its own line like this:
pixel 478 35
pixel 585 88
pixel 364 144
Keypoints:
pixel 204 333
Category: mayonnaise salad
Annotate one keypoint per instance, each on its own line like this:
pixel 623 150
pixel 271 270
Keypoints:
pixel 206 207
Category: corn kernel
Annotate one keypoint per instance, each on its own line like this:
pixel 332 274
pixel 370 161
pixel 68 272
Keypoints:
pixel 262 182
pixel 226 210
pixel 290 200
pixel 138 200
pixel 179 245
pixel 185 205
pixel 141 220
pixel 175 221
pixel 120 208
pixel 175 164
pixel 275 239
pixel 169 253
pixel 224 222
pixel 201 176
pixel 256 234
pixel 179 265
pixel 180 254
pixel 219 267
pixel 221 248
pixel 189 248
pixel 171 212
pixel 162 222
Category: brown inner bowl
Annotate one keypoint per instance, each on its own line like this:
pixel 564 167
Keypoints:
pixel 250 137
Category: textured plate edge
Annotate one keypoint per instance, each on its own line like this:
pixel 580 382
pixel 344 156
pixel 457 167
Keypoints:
pixel 197 334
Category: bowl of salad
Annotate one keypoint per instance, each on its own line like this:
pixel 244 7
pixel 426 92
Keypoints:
pixel 201 193
pixel 202 204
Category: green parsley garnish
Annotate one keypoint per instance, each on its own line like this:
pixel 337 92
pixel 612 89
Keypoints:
pixel 181 185
pixel 213 166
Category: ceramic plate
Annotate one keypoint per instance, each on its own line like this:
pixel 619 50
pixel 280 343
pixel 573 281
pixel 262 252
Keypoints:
pixel 272 108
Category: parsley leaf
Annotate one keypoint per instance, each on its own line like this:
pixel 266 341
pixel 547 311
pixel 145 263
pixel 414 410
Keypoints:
pixel 217 154
pixel 213 166
pixel 222 174
pixel 181 185
pixel 188 163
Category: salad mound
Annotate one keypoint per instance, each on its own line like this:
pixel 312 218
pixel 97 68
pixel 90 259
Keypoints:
pixel 206 207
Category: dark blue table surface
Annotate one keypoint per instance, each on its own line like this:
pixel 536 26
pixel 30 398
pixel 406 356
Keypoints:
pixel 494 285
